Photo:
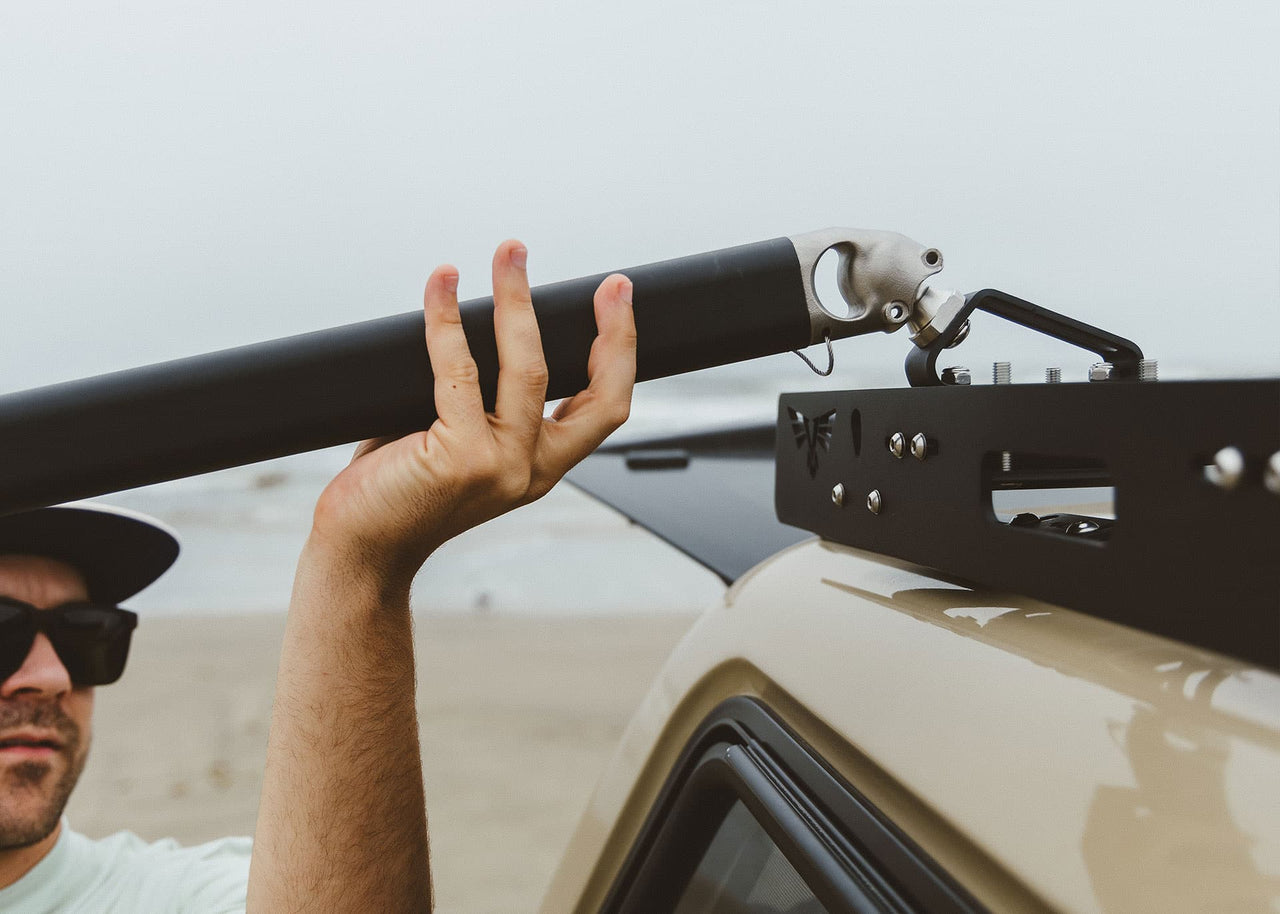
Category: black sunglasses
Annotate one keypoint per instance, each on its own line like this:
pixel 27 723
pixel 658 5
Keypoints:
pixel 91 640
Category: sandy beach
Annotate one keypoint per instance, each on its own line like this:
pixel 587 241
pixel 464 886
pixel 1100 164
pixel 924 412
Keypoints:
pixel 518 716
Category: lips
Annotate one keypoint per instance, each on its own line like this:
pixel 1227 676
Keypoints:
pixel 30 742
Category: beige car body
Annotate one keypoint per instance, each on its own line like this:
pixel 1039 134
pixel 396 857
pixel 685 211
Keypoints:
pixel 1044 759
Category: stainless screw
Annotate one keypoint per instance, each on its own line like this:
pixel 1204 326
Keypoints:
pixel 1226 469
pixel 1006 461
pixel 897 444
pixel 1053 375
pixel 1148 370
pixel 1002 373
pixel 1271 475
pixel 1101 371
pixel 837 495
pixel 957 375
pixel 874 501
pixel 919 446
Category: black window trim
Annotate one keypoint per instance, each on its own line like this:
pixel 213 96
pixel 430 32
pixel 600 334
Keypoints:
pixel 853 858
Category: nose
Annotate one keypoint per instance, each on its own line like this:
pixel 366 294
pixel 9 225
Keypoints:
pixel 42 673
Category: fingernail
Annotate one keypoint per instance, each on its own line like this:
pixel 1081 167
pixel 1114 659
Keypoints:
pixel 520 256
pixel 624 291
pixel 451 282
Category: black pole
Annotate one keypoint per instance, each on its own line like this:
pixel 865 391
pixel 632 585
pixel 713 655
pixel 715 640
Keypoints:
pixel 189 416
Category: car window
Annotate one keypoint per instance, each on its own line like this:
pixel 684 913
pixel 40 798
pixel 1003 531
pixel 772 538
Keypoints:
pixel 751 821
pixel 744 872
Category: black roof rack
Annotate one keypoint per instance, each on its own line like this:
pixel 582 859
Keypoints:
pixel 931 475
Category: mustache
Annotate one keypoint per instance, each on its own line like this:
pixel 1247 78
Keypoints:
pixel 42 715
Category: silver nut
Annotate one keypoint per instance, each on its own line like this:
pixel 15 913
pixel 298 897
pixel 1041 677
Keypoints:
pixel 874 501
pixel 897 444
pixel 1227 468
pixel 957 375
pixel 1101 371
pixel 1271 475
pixel 919 446
pixel 837 495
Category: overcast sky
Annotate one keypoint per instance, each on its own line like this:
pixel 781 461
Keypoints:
pixel 182 177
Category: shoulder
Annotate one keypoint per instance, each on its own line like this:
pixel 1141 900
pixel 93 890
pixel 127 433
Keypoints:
pixel 163 875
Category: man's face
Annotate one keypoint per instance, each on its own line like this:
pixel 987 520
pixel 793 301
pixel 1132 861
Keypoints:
pixel 39 704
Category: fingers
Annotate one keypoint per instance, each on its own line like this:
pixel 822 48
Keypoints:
pixel 585 420
pixel 457 382
pixel 522 375
pixel 611 366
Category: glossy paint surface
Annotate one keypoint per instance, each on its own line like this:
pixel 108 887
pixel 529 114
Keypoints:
pixel 1046 759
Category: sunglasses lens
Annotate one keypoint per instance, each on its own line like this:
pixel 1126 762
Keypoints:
pixel 16 635
pixel 93 642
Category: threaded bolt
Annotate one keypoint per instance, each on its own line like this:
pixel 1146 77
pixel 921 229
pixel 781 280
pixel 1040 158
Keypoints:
pixel 1002 372
pixel 1053 375
pixel 1148 370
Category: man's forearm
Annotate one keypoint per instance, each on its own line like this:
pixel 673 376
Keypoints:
pixel 342 822
pixel 342 825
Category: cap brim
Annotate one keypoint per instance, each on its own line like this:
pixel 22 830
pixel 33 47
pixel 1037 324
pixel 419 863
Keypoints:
pixel 119 552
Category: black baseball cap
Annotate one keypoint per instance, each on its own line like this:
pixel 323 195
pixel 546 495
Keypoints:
pixel 119 552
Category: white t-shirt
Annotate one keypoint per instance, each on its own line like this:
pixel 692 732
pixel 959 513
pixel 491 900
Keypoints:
pixel 122 874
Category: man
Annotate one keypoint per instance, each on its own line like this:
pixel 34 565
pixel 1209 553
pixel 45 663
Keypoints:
pixel 342 824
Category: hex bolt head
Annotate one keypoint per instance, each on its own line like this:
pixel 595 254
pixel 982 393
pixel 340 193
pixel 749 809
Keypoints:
pixel 897 444
pixel 874 501
pixel 1101 371
pixel 1271 475
pixel 919 446
pixel 837 495
pixel 1227 468
pixel 957 375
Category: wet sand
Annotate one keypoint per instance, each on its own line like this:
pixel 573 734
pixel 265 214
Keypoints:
pixel 518 716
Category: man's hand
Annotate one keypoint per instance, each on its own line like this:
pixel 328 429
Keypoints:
pixel 342 822
pixel 399 500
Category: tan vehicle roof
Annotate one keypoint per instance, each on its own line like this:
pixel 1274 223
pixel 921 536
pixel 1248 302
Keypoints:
pixel 1045 759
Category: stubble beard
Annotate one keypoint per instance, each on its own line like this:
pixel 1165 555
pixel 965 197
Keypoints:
pixel 33 793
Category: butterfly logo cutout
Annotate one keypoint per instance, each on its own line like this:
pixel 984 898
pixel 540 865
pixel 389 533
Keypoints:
pixel 816 433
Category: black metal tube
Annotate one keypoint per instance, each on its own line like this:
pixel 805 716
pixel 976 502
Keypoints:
pixel 189 416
